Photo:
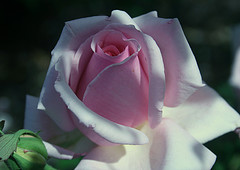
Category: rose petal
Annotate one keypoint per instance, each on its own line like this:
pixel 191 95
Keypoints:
pixel 36 120
pixel 205 115
pixel 120 93
pixel 182 74
pixel 97 128
pixel 95 66
pixel 156 82
pixel 170 147
pixel 51 102
pixel 108 37
pixel 110 50
pixel 77 31
pixel 99 60
pixel 152 64
pixel 79 64
pixel 59 152
pixel 121 17
pixel 74 33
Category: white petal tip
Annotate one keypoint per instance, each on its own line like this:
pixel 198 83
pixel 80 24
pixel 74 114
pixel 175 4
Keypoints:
pixel 153 13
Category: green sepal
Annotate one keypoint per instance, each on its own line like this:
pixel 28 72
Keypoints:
pixel 11 163
pixel 8 143
pixel 48 167
pixel 65 164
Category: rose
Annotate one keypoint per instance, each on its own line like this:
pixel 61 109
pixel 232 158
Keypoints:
pixel 111 77
pixel 119 72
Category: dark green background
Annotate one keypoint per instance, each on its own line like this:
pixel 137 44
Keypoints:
pixel 31 28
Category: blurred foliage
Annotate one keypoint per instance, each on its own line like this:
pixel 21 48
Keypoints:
pixel 31 28
pixel 64 164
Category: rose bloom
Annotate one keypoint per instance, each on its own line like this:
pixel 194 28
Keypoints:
pixel 127 92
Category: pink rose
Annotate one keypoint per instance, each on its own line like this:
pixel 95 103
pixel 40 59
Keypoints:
pixel 133 82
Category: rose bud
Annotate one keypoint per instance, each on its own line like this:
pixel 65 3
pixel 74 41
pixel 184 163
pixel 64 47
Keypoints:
pixel 30 153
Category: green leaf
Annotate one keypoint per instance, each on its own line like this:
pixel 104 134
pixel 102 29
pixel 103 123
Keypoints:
pixel 8 143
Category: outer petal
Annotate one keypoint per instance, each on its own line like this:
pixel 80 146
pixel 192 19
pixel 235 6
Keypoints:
pixel 97 128
pixel 156 82
pixel 37 120
pixel 79 63
pixel 205 115
pixel 74 33
pixel 170 147
pixel 182 74
pixel 59 152
pixel 122 17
